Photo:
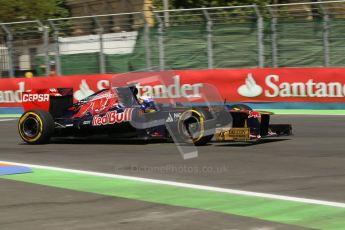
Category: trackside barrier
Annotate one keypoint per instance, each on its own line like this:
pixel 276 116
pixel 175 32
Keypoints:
pixel 268 88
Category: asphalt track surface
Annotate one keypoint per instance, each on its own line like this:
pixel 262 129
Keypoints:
pixel 309 164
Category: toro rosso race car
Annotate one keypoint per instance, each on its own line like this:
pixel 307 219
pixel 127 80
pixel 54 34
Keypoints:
pixel 119 113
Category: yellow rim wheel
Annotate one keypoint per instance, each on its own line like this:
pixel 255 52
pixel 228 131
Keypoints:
pixel 30 127
pixel 199 124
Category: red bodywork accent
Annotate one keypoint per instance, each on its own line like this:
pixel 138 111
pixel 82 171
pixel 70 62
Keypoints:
pixel 99 103
pixel 41 99
pixel 254 114
pixel 37 99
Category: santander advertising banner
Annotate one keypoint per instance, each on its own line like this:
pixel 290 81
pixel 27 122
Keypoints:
pixel 288 85
pixel 276 84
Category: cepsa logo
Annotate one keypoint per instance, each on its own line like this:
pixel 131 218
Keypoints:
pixel 35 97
pixel 112 117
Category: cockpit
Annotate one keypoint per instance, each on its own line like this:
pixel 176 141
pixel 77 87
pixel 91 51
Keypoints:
pixel 128 97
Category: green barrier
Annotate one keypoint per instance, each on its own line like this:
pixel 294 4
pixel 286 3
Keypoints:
pixel 234 45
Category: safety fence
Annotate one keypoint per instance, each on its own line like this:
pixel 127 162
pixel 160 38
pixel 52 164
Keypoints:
pixel 283 35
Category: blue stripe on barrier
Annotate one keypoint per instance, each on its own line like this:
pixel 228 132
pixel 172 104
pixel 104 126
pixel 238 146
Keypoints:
pixel 8 170
pixel 11 110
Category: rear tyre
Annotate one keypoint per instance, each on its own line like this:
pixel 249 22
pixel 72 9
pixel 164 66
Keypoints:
pixel 192 127
pixel 36 127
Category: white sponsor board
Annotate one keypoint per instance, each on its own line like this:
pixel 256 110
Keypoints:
pixel 113 43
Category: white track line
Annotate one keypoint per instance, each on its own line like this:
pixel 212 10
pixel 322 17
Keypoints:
pixel 186 185
pixel 7 120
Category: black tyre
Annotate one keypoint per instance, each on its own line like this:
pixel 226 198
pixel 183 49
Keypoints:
pixel 192 127
pixel 240 107
pixel 36 127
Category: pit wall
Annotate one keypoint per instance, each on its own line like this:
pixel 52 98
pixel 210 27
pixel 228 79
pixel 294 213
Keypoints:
pixel 278 89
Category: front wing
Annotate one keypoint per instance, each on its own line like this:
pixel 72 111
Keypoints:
pixel 243 134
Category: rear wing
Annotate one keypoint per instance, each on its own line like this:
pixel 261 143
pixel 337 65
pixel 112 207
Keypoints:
pixel 54 101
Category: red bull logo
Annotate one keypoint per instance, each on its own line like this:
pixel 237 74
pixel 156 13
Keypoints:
pixel 112 117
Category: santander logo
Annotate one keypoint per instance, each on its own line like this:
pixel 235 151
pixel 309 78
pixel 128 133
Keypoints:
pixel 174 90
pixel 250 88
pixel 275 87
pixel 85 89
pixel 12 95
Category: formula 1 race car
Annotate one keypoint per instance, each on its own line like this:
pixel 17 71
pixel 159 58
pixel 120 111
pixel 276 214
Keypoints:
pixel 119 113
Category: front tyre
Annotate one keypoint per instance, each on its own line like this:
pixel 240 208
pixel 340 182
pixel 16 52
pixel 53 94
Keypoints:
pixel 36 127
pixel 192 128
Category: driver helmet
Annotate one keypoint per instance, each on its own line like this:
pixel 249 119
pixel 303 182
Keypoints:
pixel 146 103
